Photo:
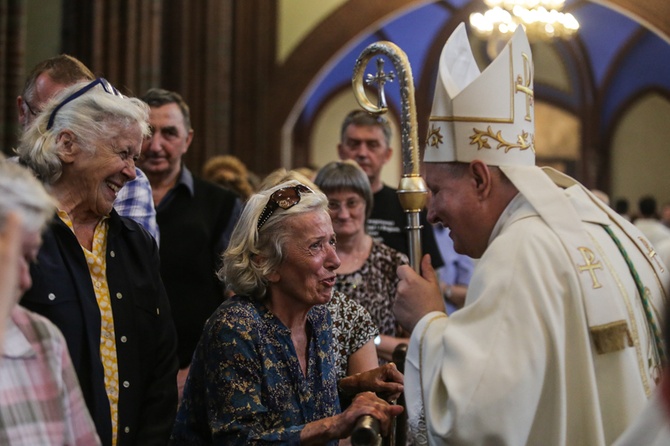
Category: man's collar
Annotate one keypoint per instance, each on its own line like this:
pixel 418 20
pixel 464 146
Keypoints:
pixel 186 178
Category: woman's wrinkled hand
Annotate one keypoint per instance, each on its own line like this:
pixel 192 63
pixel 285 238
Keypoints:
pixel 367 403
pixel 386 381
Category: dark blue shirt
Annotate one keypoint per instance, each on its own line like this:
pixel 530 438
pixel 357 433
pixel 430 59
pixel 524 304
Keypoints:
pixel 246 386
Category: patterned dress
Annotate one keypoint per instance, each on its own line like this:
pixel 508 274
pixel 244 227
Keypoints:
pixel 245 385
pixel 374 286
pixel 352 329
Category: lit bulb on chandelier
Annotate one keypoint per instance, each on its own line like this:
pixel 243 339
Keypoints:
pixel 542 19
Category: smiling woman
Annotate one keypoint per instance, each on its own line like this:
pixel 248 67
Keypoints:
pixel 96 276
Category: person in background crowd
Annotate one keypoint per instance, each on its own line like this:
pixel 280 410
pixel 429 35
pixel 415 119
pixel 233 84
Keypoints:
pixel 456 273
pixel 622 207
pixel 366 139
pixel 195 218
pixel 367 272
pixel 665 214
pixel 228 171
pixel 96 276
pixel 648 223
pixel 602 196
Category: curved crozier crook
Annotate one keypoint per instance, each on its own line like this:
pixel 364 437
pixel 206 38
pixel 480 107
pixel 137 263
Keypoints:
pixel 412 191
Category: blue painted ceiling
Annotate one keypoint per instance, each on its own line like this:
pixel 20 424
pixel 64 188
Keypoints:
pixel 611 61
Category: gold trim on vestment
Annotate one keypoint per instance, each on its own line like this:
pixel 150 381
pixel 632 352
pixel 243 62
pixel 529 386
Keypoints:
pixel 633 330
pixel 611 337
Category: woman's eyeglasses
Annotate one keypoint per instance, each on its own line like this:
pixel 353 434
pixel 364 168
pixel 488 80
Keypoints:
pixel 284 198
pixel 99 81
pixel 351 204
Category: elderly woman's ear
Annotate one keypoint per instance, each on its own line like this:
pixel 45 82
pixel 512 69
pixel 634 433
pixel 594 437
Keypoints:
pixel 273 276
pixel 67 148
pixel 259 261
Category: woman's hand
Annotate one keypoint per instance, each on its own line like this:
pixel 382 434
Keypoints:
pixel 367 403
pixel 342 425
pixel 386 381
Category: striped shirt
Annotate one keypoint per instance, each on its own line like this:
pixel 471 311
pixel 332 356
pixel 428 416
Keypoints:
pixel 40 399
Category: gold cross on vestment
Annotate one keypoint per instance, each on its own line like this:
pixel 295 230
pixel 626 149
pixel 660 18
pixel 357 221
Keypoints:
pixel 590 266
pixel 523 84
pixel 380 78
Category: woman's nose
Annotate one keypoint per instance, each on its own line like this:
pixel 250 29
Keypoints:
pixel 332 259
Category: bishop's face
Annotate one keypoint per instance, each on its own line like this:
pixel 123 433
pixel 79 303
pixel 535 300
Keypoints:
pixel 456 204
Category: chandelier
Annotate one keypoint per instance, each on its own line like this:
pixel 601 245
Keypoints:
pixel 542 19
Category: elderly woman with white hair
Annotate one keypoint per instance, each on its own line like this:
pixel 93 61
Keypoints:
pixel 40 399
pixel 97 274
pixel 264 370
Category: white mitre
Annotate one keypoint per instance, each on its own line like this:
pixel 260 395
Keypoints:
pixel 487 116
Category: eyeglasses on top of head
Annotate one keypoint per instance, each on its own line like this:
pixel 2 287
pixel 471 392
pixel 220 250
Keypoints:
pixel 284 198
pixel 99 81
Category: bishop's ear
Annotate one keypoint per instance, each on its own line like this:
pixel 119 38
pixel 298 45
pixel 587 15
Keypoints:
pixel 482 176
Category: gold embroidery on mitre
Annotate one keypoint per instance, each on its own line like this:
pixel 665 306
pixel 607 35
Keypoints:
pixel 522 84
pixel 481 138
pixel 435 137
pixel 590 265
pixel 653 255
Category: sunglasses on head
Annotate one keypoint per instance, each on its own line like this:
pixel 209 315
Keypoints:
pixel 99 81
pixel 284 198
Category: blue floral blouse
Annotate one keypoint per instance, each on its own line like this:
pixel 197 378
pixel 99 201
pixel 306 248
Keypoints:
pixel 245 385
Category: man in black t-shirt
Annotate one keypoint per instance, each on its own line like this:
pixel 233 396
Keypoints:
pixel 366 139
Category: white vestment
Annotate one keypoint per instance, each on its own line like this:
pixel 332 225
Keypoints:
pixel 517 365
